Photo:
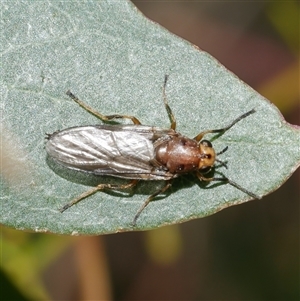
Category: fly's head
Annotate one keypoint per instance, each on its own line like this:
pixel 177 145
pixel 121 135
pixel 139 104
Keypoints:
pixel 207 156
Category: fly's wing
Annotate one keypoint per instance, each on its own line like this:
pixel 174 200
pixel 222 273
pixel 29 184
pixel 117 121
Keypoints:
pixel 124 151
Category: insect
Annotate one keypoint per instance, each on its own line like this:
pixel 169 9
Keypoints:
pixel 136 152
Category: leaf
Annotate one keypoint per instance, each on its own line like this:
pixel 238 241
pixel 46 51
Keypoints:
pixel 113 58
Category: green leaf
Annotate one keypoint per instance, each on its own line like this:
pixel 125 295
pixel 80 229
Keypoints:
pixel 113 58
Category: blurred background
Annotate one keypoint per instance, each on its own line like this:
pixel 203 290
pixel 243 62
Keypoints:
pixel 246 252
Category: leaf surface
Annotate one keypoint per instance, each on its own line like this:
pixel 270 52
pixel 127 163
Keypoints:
pixel 113 58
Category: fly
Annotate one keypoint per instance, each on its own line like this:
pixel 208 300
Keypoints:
pixel 136 152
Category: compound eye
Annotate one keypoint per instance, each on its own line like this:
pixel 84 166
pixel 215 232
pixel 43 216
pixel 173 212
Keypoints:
pixel 206 143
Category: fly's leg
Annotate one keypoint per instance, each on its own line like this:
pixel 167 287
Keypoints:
pixel 200 136
pixel 228 181
pixel 150 198
pixel 169 111
pixel 97 114
pixel 95 189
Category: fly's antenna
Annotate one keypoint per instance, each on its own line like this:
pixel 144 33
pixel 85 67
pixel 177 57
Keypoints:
pixel 220 153
pixel 222 163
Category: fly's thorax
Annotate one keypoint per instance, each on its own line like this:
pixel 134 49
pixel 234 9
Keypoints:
pixel 208 155
pixel 179 154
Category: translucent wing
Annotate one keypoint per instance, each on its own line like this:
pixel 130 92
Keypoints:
pixel 124 151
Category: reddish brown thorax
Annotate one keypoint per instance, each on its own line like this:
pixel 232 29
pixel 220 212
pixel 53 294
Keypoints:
pixel 183 155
